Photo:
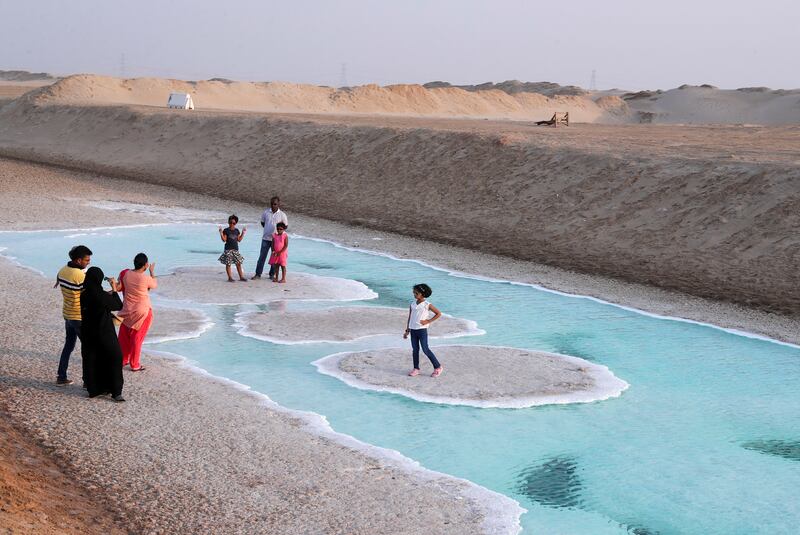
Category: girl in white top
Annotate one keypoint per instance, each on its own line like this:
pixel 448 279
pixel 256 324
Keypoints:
pixel 417 326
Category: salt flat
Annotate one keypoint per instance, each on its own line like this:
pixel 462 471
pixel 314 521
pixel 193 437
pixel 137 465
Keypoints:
pixel 341 324
pixel 478 376
pixel 209 284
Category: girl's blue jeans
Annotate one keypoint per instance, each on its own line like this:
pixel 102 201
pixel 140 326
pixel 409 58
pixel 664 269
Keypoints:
pixel 419 337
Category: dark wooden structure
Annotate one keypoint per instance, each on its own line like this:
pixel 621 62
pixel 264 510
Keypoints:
pixel 559 118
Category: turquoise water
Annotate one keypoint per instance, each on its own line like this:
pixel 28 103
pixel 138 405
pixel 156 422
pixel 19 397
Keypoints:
pixel 705 440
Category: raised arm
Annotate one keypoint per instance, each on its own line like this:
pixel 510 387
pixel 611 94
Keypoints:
pixel 241 234
pixel 153 282
pixel 222 235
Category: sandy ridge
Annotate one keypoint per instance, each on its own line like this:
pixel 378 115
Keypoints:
pixel 399 99
pixel 512 99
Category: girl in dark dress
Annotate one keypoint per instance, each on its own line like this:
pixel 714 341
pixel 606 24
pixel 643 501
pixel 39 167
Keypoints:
pixel 102 357
pixel 231 255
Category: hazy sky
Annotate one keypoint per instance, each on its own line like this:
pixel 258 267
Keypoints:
pixel 632 44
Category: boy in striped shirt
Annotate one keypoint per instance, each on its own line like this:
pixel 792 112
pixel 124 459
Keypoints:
pixel 70 279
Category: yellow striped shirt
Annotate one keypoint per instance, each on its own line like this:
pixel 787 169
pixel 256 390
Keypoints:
pixel 71 281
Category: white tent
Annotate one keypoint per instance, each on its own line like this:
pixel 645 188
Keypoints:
pixel 181 101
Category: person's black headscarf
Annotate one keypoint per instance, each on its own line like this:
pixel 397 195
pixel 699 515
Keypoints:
pixel 94 300
pixel 94 279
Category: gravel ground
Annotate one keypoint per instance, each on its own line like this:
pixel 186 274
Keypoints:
pixel 38 498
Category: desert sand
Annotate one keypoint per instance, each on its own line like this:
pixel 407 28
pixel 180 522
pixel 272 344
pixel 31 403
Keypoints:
pixel 209 284
pixel 341 324
pixel 478 376
pixel 11 90
pixel 687 104
pixel 707 104
pixel 404 99
pixel 14 84
pixel 37 497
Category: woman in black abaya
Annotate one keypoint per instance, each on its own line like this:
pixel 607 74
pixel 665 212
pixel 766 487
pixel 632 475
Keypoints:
pixel 102 357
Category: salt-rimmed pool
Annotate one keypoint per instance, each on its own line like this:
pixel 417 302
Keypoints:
pixel 705 440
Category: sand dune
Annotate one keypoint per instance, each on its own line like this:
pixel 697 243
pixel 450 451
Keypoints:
pixel 26 76
pixel 514 100
pixel 407 99
pixel 12 90
pixel 511 87
pixel 13 84
pixel 709 105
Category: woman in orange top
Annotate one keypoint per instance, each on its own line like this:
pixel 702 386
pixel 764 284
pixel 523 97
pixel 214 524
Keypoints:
pixel 136 313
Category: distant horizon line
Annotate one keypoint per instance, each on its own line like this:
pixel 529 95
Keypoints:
pixel 44 75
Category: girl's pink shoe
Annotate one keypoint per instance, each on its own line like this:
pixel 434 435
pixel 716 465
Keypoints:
pixel 413 373
pixel 437 372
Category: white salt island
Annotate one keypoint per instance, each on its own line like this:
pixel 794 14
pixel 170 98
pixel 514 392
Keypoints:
pixel 478 376
pixel 176 324
pixel 341 324
pixel 209 284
